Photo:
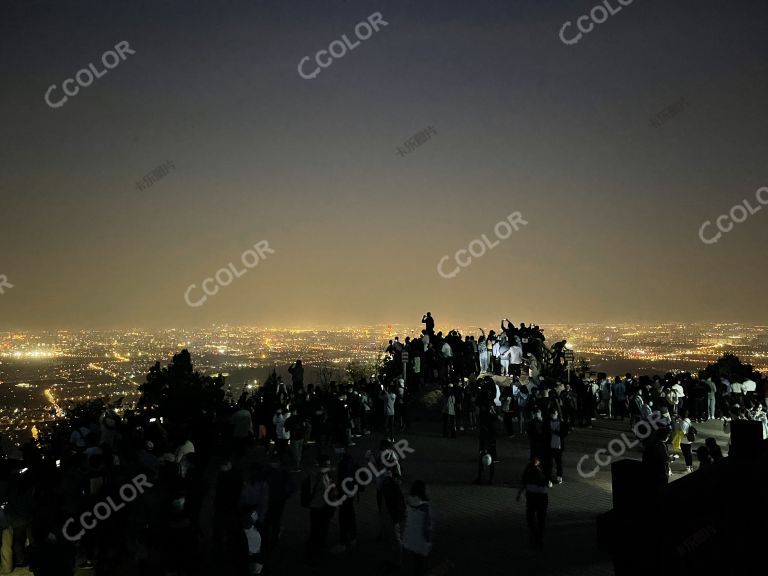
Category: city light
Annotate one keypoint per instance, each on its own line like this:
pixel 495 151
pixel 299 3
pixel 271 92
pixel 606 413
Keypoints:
pixel 112 364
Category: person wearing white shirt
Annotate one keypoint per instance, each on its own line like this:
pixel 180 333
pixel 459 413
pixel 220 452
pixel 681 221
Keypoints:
pixel 515 359
pixel 759 415
pixel 282 435
pixel 497 398
pixel 685 443
pixel 504 354
pixel 682 402
pixel 605 395
pixel 711 398
pixel 483 353
pixel 180 454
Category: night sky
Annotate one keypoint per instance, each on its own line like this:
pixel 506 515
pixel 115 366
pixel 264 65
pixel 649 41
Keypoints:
pixel 561 133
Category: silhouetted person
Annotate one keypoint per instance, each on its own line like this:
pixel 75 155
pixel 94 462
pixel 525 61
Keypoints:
pixel 714 450
pixel 320 512
pixel 656 459
pixel 429 322
pixel 487 438
pixel 538 436
pixel 702 453
pixel 534 484
pixel 297 374
pixel 557 430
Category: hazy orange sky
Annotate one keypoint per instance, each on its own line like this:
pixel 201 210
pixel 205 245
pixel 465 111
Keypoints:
pixel 560 133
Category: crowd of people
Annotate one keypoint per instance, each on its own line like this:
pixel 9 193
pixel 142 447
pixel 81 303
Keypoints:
pixel 215 474
pixel 449 357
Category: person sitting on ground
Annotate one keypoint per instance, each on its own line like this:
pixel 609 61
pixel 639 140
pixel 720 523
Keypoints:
pixel 714 449
pixel 702 453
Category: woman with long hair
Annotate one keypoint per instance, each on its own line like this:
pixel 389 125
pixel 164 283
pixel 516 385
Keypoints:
pixel 482 350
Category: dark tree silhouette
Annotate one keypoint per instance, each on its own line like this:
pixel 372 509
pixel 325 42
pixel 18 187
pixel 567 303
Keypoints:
pixel 731 367
pixel 85 412
pixel 179 393
pixel 359 370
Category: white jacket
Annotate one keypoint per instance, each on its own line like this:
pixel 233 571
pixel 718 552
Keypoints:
pixel 417 535
pixel 279 421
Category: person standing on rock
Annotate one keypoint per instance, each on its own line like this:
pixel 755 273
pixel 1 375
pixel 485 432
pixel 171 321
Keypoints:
pixel 429 323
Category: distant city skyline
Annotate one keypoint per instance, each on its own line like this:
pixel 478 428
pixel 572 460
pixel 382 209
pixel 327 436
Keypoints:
pixel 53 369
pixel 416 326
pixel 335 327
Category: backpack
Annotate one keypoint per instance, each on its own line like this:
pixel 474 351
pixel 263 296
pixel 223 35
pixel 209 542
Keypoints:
pixel 691 434
pixel 306 492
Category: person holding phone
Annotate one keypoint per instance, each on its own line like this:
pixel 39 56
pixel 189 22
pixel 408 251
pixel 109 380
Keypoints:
pixel 429 323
